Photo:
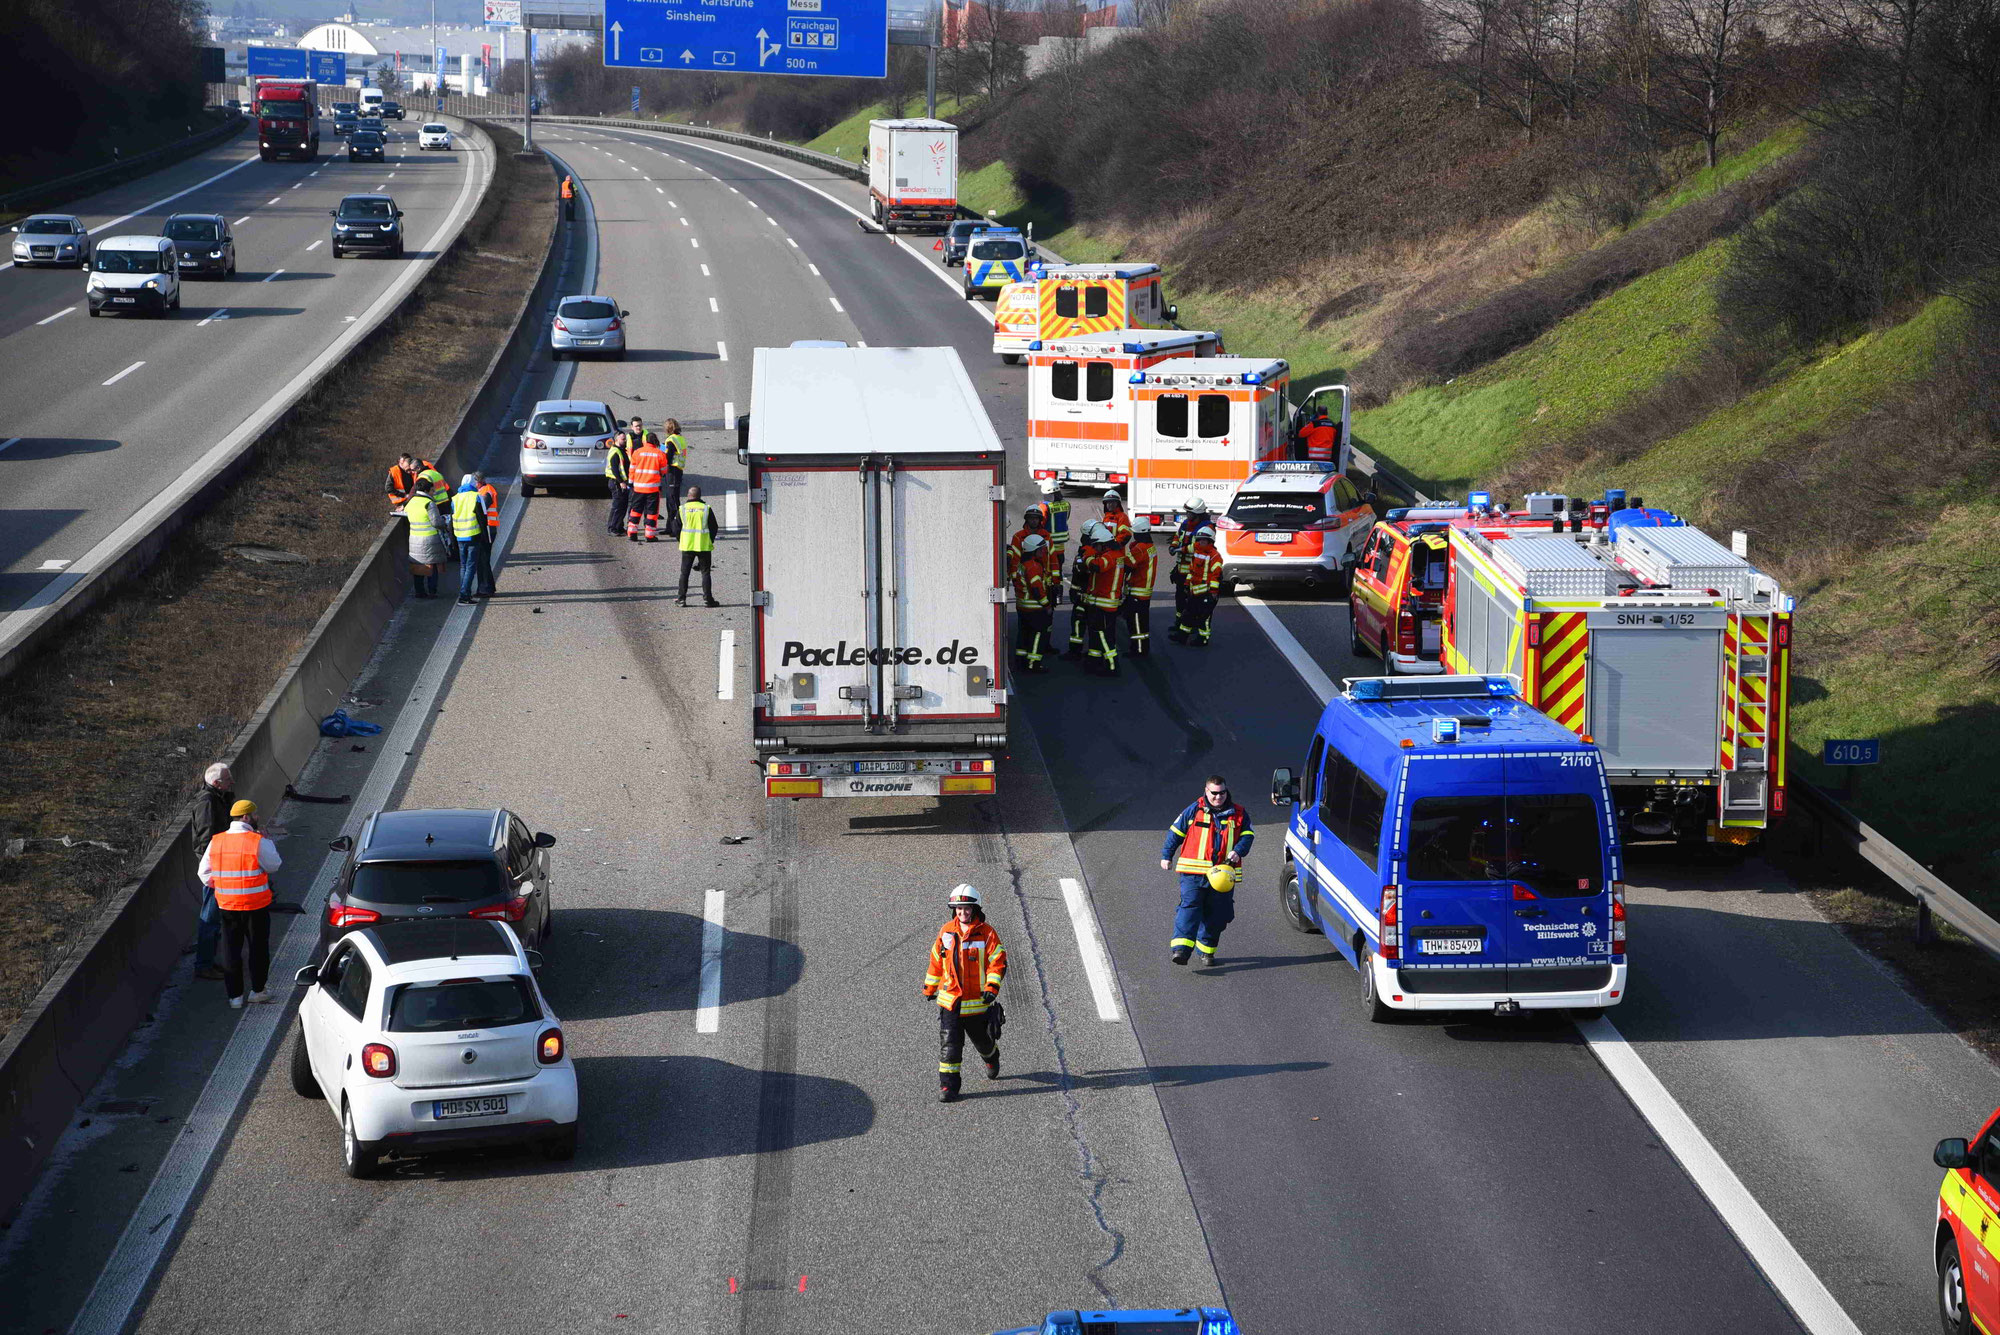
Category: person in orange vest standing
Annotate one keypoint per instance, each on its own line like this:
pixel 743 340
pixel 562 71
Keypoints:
pixel 401 482
pixel 238 867
pixel 1142 568
pixel 649 471
pixel 489 500
pixel 569 198
pixel 1116 519
pixel 1034 522
pixel 1205 848
pixel 1102 564
pixel 1032 584
pixel 1318 438
pixel 967 966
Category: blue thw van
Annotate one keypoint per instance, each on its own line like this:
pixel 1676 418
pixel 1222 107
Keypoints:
pixel 1459 847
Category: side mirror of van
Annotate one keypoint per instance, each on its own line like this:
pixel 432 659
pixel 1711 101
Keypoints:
pixel 1284 788
pixel 1953 1153
pixel 1173 312
pixel 342 844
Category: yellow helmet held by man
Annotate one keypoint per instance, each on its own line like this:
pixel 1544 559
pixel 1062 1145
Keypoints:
pixel 1222 878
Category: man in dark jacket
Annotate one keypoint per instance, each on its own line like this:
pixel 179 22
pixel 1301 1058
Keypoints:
pixel 211 817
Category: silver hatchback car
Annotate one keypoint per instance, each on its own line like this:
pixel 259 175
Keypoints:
pixel 565 444
pixel 51 238
pixel 587 324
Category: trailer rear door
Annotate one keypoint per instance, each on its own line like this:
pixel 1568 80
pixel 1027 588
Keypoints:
pixel 1655 698
pixel 814 527
pixel 938 573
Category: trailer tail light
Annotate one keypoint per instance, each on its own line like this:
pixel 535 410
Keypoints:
pixel 971 767
pixel 788 767
pixel 1618 917
pixel 1045 472
pixel 379 1060
pixel 512 911
pixel 339 914
pixel 1392 924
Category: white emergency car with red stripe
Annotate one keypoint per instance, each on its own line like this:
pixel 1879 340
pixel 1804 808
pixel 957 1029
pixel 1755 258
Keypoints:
pixel 1199 425
pixel 1294 521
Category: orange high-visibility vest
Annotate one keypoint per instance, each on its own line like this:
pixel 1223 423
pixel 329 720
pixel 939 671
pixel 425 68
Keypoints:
pixel 648 462
pixel 1031 585
pixel 1120 524
pixel 489 496
pixel 1320 440
pixel 1142 565
pixel 1204 572
pixel 1104 576
pixel 235 870
pixel 965 963
pixel 569 191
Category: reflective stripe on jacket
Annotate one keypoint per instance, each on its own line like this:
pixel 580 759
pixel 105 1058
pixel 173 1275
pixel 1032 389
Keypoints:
pixel 1203 572
pixel 1203 836
pixel 1031 586
pixel 235 869
pixel 432 481
pixel 695 536
pixel 422 517
pixel 467 516
pixel 1120 524
pixel 1103 576
pixel 648 463
pixel 965 963
pixel 1056 512
pixel 618 463
pixel 1318 440
pixel 677 451
pixel 1142 567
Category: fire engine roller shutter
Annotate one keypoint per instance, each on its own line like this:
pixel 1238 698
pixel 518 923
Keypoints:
pixel 1655 699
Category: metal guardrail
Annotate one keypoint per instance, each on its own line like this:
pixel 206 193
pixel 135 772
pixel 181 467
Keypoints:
pixel 66 187
pixel 842 166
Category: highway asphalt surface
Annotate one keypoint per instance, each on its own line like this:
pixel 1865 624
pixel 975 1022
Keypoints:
pixel 1241 1132
pixel 104 415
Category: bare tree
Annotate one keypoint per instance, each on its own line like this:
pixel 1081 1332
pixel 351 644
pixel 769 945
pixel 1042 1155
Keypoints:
pixel 1705 51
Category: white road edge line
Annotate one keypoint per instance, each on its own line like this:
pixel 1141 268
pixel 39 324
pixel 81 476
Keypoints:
pixel 836 304
pixel 725 658
pixel 708 1005
pixel 122 374
pixel 129 1269
pixel 1090 945
pixel 57 316
pixel 1802 1290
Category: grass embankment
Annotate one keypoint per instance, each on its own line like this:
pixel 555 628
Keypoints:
pixel 849 138
pixel 108 731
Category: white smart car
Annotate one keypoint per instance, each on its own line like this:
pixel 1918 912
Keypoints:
pixel 435 135
pixel 429 1036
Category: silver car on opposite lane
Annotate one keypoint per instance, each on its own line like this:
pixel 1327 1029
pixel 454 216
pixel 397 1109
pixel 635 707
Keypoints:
pixel 565 443
pixel 587 324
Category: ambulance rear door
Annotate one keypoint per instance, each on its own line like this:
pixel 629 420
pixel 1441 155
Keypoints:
pixel 1335 399
pixel 1079 421
pixel 1188 441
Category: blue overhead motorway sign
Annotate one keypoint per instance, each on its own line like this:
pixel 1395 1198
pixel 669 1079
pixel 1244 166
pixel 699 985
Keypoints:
pixel 291 62
pixel 828 38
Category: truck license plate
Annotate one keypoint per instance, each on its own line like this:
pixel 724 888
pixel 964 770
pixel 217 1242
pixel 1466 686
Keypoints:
pixel 488 1106
pixel 1450 945
pixel 881 767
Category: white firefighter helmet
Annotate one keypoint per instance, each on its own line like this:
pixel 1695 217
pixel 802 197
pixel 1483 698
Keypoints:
pixel 1033 543
pixel 1097 531
pixel 1050 486
pixel 964 896
pixel 1197 506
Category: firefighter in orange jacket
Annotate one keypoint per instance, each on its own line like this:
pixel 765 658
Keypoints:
pixel 1142 568
pixel 1102 567
pixel 1201 585
pixel 1115 517
pixel 649 469
pixel 1033 616
pixel 967 964
pixel 1205 848
pixel 1035 521
pixel 1318 438
pixel 569 198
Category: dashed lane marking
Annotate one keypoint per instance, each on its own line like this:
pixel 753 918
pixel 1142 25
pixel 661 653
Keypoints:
pixel 836 304
pixel 51 319
pixel 725 663
pixel 271 275
pixel 317 244
pixel 722 351
pixel 713 306
pixel 122 374
pixel 222 314
pixel 708 1006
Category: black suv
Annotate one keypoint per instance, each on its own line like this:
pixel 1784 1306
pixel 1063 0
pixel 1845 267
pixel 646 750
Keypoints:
pixel 422 865
pixel 392 111
pixel 370 223
pixel 365 142
pixel 204 243
pixel 958 235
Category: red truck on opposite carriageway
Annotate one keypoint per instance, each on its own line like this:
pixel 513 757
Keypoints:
pixel 287 119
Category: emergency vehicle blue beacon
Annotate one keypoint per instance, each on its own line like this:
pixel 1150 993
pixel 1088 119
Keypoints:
pixel 1458 847
pixel 1135 1321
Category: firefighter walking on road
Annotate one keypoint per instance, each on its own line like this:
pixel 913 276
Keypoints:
pixel 1033 585
pixel 1201 585
pixel 1205 846
pixel 1142 567
pixel 967 966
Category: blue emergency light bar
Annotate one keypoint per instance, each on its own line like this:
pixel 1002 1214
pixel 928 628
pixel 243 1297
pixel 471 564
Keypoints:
pixel 1152 1321
pixel 1253 378
pixel 1444 729
pixel 1479 500
pixel 1452 686
pixel 1295 466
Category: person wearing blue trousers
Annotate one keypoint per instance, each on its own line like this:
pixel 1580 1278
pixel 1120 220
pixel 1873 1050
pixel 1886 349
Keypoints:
pixel 1212 831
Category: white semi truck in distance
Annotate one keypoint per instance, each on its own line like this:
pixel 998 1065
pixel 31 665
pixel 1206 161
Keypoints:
pixel 878 575
pixel 913 173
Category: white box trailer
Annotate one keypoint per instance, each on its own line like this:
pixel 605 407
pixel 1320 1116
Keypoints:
pixel 877 494
pixel 913 173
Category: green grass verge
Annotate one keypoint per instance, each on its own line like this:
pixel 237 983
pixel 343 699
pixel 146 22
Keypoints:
pixel 1728 170
pixel 849 138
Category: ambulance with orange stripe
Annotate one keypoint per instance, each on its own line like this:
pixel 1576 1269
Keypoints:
pixel 1078 300
pixel 1080 400
pixel 1201 425
pixel 1630 628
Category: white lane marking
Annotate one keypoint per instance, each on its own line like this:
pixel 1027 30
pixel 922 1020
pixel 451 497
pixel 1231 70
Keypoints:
pixel 1774 1254
pixel 725 660
pixel 813 267
pixel 122 374
pixel 1816 1309
pixel 695 241
pixel 53 565
pixel 670 203
pixel 271 275
pixel 836 304
pixel 57 316
pixel 222 314
pixel 734 191
pixel 728 417
pixel 860 342
pixel 392 176
pixel 297 184
pixel 312 173
pixel 704 273
pixel 1090 945
pixel 240 221
pixel 708 1006
pixel 729 521
pixel 722 351
pixel 9 443
pixel 125 1275
pixel 769 219
pixel 793 244
pixel 661 190
pixel 713 307
pixel 272 200
pixel 148 208
pixel 684 222
pixel 317 244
